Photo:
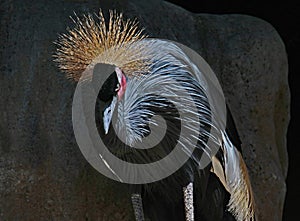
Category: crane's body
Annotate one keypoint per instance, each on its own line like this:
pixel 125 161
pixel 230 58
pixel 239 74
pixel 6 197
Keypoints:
pixel 154 77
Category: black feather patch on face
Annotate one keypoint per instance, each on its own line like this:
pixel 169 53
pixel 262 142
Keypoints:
pixel 106 102
pixel 109 88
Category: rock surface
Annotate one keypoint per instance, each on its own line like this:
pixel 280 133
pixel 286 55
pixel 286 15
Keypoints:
pixel 42 172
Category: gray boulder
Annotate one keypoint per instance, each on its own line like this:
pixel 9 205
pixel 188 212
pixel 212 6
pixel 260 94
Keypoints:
pixel 43 175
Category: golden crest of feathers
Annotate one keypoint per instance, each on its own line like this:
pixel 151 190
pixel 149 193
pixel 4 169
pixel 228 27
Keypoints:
pixel 92 42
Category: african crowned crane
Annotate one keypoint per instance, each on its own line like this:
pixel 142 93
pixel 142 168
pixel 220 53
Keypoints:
pixel 155 77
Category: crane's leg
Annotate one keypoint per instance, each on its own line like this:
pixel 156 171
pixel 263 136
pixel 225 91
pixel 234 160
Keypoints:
pixel 137 204
pixel 188 202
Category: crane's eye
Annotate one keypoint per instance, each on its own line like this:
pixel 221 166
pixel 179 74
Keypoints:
pixel 118 87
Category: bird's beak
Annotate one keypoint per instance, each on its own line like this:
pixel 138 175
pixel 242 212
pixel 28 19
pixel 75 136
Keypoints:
pixel 108 113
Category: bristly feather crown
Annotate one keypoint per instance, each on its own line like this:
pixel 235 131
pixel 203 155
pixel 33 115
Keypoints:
pixel 93 41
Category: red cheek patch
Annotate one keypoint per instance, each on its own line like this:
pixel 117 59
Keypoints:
pixel 122 82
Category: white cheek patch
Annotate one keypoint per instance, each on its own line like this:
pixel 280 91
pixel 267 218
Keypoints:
pixel 119 74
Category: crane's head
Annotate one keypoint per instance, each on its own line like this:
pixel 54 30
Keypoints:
pixel 114 43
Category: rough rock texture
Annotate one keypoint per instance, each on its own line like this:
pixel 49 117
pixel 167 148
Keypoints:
pixel 43 175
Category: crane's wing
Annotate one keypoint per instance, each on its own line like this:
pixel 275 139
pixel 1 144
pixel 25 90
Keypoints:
pixel 232 171
pixel 227 163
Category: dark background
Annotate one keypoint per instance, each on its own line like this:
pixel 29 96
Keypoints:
pixel 284 16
